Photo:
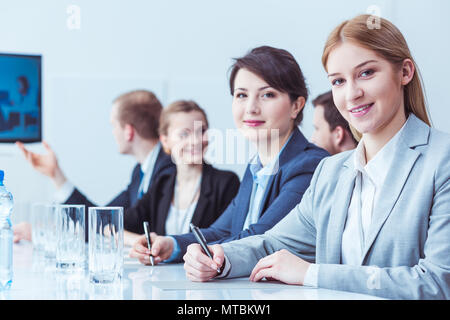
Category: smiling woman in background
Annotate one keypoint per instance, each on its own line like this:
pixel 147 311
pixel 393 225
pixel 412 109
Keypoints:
pixel 375 220
pixel 196 191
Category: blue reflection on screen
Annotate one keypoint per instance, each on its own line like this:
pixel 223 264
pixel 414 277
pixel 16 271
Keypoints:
pixel 20 98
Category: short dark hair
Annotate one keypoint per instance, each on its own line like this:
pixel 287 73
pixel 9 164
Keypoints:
pixel 141 109
pixel 331 113
pixel 278 68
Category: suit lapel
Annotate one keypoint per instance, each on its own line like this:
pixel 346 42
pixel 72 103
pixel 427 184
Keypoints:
pixel 414 134
pixel 243 202
pixel 339 210
pixel 204 198
pixel 163 204
pixel 297 143
pixel 396 178
pixel 163 162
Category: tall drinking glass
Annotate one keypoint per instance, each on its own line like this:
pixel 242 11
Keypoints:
pixel 38 221
pixel 50 230
pixel 70 246
pixel 105 244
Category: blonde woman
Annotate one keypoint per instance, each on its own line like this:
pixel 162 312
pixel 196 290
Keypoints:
pixel 195 191
pixel 375 220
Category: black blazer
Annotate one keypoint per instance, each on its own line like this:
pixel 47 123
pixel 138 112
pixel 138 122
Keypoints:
pixel 217 189
pixel 128 197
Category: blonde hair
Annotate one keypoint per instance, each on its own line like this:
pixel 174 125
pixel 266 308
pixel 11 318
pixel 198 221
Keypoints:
pixel 388 42
pixel 177 107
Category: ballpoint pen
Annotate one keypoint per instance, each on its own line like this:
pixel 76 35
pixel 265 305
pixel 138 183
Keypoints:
pixel 149 244
pixel 202 241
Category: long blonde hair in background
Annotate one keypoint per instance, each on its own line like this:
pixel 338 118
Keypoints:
pixel 388 42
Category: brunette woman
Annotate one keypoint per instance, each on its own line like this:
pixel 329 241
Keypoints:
pixel 269 93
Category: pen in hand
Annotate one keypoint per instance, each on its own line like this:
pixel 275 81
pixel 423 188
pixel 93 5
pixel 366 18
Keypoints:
pixel 149 244
pixel 202 241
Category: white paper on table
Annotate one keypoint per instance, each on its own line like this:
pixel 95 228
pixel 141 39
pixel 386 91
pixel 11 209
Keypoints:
pixel 221 284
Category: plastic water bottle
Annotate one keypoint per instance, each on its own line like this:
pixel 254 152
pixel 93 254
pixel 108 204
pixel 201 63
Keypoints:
pixel 6 236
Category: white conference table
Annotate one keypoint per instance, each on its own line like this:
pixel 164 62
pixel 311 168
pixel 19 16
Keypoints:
pixel 36 278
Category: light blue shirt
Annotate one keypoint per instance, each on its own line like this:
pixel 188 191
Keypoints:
pixel 147 169
pixel 261 176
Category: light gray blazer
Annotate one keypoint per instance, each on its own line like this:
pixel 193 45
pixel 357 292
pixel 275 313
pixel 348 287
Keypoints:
pixel 407 254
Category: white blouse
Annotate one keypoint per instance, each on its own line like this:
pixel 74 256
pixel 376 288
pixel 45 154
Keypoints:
pixel 369 181
pixel 178 221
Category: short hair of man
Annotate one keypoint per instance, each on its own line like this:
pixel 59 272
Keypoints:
pixel 331 113
pixel 141 109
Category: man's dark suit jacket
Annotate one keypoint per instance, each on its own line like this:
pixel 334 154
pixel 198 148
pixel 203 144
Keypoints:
pixel 217 189
pixel 285 189
pixel 129 196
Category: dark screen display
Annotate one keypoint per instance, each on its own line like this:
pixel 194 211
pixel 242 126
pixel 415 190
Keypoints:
pixel 20 98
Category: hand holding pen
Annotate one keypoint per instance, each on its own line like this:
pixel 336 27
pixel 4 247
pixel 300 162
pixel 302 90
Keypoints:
pixel 199 266
pixel 149 243
pixel 202 241
pixel 158 247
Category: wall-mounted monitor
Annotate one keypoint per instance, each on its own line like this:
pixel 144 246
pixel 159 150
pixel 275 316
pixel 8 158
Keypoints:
pixel 20 97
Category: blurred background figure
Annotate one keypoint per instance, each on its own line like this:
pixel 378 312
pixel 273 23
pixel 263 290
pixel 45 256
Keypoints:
pixel 23 90
pixel 135 121
pixel 195 191
pixel 331 130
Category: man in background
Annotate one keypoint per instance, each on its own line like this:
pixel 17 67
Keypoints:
pixel 135 121
pixel 331 130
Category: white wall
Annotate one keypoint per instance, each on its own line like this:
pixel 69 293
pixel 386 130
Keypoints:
pixel 178 49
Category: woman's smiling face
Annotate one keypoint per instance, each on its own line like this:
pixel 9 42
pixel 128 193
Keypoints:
pixel 367 89
pixel 186 137
pixel 258 109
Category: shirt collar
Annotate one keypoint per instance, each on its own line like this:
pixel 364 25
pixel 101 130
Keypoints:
pixel 377 168
pixel 150 160
pixel 260 173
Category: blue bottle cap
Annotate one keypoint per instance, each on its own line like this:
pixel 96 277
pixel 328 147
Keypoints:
pixel 2 175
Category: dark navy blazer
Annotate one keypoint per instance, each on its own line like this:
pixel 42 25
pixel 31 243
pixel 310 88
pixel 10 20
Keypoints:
pixel 285 189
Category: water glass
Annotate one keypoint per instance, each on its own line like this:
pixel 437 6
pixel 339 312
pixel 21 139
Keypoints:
pixel 70 245
pixel 105 244
pixel 71 285
pixel 38 221
pixel 50 230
